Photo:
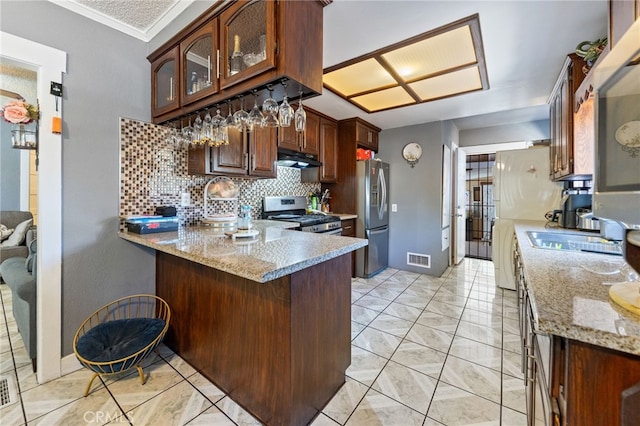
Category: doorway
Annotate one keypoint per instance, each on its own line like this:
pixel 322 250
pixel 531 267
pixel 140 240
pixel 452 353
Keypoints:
pixel 49 64
pixel 480 207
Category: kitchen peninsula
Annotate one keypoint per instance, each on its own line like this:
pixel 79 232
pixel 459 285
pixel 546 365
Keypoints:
pixel 267 319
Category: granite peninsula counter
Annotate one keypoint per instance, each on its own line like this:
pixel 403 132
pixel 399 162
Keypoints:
pixel 268 320
pixel 568 297
pixel 277 251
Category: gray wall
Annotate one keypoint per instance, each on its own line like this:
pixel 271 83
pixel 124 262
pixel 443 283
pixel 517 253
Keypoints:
pixel 528 131
pixel 416 226
pixel 107 76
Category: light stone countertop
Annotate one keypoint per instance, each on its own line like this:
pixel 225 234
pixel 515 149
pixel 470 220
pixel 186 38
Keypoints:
pixel 568 297
pixel 274 253
pixel 345 216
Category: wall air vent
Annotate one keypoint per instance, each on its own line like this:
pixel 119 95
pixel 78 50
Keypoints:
pixel 419 260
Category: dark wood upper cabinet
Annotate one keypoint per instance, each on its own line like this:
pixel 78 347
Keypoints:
pixel 248 35
pixel 165 83
pixel 273 41
pixel 322 132
pixel 198 52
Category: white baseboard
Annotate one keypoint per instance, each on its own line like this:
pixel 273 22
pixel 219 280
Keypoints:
pixel 69 364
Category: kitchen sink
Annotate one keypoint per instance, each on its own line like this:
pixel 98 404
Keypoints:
pixel 573 242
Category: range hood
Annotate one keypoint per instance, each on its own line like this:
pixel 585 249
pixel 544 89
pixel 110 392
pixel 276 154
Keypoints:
pixel 298 160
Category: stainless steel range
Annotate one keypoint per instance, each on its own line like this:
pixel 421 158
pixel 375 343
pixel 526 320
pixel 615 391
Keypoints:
pixel 293 209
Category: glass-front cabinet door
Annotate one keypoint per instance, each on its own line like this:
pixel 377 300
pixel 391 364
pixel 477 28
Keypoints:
pixel 164 76
pixel 199 63
pixel 248 40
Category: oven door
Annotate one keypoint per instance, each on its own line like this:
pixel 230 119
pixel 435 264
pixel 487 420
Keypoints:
pixel 332 232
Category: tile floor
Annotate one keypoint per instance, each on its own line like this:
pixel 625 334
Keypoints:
pixel 425 351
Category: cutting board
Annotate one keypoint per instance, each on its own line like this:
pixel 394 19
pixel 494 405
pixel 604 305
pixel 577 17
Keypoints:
pixel 626 295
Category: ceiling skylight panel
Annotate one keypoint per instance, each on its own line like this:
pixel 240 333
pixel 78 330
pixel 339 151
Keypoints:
pixel 359 77
pixel 446 85
pixel 384 99
pixel 433 55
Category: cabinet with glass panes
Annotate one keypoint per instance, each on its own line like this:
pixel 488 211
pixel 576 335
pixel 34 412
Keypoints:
pixel 235 49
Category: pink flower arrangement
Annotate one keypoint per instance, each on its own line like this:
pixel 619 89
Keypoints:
pixel 19 112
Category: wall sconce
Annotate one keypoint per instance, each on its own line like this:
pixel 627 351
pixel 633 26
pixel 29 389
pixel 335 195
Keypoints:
pixel 412 153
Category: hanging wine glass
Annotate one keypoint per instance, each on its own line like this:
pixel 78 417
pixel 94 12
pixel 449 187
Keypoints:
pixel 270 109
pixel 300 117
pixel 230 121
pixel 196 136
pixel 206 135
pixel 285 112
pixel 241 117
pixel 187 134
pixel 220 132
pixel 255 116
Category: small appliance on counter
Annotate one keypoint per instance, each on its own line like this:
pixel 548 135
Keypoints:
pixel 572 200
pixel 151 224
pixel 586 221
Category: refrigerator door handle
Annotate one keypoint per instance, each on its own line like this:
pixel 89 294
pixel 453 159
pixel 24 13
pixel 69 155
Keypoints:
pixel 382 185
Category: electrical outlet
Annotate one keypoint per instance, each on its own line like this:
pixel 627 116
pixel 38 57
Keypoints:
pixel 394 207
pixel 186 199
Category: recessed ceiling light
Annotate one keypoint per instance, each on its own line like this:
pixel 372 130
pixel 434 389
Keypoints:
pixel 440 63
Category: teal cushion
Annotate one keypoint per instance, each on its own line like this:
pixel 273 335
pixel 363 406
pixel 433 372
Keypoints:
pixel 118 339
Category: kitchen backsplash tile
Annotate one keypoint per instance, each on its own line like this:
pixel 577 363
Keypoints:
pixel 153 173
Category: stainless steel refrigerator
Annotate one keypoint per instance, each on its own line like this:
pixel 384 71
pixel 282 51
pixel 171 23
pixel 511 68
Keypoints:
pixel 373 216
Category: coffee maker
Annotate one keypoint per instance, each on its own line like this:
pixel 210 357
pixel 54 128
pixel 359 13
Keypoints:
pixel 572 200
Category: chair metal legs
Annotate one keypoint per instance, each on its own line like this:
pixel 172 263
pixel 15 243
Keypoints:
pixel 140 374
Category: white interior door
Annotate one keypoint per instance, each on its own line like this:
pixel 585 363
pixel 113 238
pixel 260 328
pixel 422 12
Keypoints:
pixel 460 190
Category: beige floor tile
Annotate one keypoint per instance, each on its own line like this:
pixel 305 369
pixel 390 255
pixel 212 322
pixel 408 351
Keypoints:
pixel 175 406
pixel 420 358
pixel 430 337
pixel 236 413
pixel 345 401
pixel 406 385
pixel 378 409
pixel 97 408
pixel 513 418
pixel 208 389
pixel 323 420
pixel 474 378
pixel 365 366
pixel 392 325
pixel 438 321
pixel 378 342
pixel 476 352
pixel 453 406
pixel 405 312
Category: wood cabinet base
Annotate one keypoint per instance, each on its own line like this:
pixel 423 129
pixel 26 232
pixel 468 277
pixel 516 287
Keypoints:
pixel 279 349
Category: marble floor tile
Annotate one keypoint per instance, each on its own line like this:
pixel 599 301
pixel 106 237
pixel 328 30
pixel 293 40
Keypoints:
pixel 449 298
pixel 363 315
pixel 130 393
pixel 356 295
pixel 511 325
pixel 512 342
pixel 323 420
pixel 49 396
pixel 361 287
pixel 177 405
pixel 406 385
pixel 403 277
pixel 474 378
pixel 236 413
pixel 479 305
pixel 439 322
pixel 380 410
pixel 480 333
pixel 365 366
pixel 453 290
pixel 510 312
pixel 479 353
pixel 513 393
pixel 405 312
pixel 483 296
pixel 415 301
pixel 427 336
pixel 513 418
pixel 27 378
pixel 208 389
pixel 394 286
pixel 211 417
pixel 375 303
pixel 392 325
pixel 453 406
pixel 356 328
pixel 420 358
pixel 345 401
pixel 384 293
pixel 12 414
pixel 512 364
pixel 445 309
pixel 487 319
pixel 96 409
pixel 423 289
pixel 378 342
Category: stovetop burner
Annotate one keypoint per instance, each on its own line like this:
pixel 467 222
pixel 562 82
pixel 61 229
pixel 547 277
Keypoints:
pixel 293 209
